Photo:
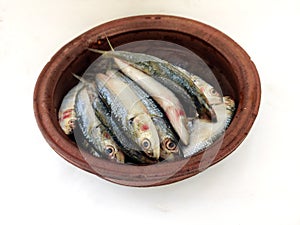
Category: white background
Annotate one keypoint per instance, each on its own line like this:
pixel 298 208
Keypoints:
pixel 257 184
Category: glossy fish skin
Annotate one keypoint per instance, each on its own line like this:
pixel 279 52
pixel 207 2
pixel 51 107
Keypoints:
pixel 205 133
pixel 209 91
pixel 82 143
pixel 169 140
pixel 168 137
pixel 162 95
pixel 130 113
pixel 155 67
pixel 66 113
pixel 93 130
pixel 121 138
pixel 181 94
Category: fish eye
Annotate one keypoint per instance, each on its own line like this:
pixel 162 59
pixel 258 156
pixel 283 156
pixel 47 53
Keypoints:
pixel 131 121
pixel 109 150
pixel 71 123
pixel 170 145
pixel 146 144
pixel 213 92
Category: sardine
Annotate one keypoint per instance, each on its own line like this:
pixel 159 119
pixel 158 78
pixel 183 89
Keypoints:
pixel 167 135
pixel 181 94
pixel 66 113
pixel 157 67
pixel 163 96
pixel 205 133
pixel 93 130
pixel 212 95
pixel 128 110
pixel 128 146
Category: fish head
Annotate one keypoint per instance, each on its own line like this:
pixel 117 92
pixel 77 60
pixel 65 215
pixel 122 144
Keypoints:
pixel 168 156
pixel 146 63
pixel 67 121
pixel 169 149
pixel 146 135
pixel 213 97
pixel 113 153
pixel 169 145
pixel 111 150
pixel 120 157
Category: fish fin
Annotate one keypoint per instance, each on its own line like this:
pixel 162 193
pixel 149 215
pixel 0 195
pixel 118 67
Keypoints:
pixel 78 77
pixel 86 83
pixel 81 79
pixel 101 51
pixel 97 51
pixel 111 47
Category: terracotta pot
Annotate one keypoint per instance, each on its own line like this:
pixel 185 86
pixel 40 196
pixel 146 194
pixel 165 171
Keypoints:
pixel 232 66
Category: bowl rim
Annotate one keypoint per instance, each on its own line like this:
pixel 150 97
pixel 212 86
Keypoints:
pixel 142 176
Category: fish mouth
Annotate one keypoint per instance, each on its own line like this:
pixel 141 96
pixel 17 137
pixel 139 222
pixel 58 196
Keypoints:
pixel 156 153
pixel 146 134
pixel 153 153
pixel 120 157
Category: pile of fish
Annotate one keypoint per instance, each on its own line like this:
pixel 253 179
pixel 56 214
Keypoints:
pixel 132 112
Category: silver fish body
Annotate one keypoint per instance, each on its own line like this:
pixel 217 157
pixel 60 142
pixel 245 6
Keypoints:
pixel 93 131
pixel 168 137
pixel 157 67
pixel 212 95
pixel 181 94
pixel 129 112
pixel 128 146
pixel 165 98
pixel 204 133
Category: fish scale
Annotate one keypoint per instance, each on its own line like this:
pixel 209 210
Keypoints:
pixel 130 113
pixel 165 98
pixel 164 128
pixel 181 94
pixel 205 133
pixel 154 66
pixel 93 131
pixel 118 134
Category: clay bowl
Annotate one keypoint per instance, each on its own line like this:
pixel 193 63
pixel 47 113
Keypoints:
pixel 231 65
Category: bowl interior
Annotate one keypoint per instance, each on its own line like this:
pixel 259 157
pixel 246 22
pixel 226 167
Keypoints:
pixel 221 69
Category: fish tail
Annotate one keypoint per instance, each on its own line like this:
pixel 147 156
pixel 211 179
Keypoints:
pixel 82 80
